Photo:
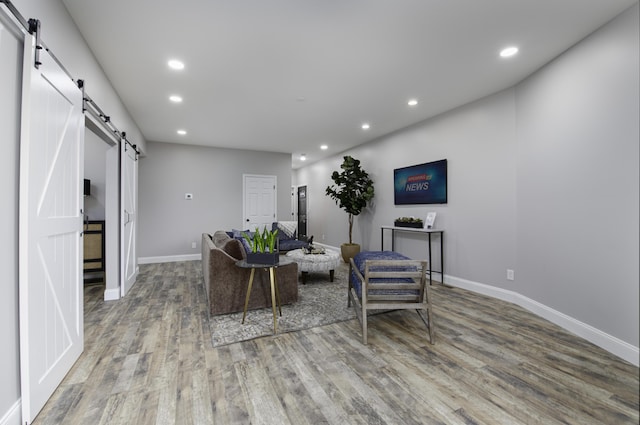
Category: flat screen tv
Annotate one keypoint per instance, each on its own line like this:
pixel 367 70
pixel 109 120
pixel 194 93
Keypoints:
pixel 421 184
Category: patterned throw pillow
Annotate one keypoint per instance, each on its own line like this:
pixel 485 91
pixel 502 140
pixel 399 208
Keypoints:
pixel 287 229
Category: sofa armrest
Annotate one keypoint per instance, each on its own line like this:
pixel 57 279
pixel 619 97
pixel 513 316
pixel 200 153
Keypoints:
pixel 229 284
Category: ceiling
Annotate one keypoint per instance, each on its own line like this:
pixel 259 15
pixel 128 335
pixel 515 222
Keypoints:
pixel 291 75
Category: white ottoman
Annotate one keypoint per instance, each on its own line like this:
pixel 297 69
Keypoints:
pixel 328 261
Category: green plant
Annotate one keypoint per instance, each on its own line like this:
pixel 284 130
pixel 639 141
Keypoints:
pixel 264 241
pixel 409 220
pixel 352 189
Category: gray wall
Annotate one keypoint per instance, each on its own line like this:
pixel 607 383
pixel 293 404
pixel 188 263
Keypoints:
pixel 543 179
pixel 168 223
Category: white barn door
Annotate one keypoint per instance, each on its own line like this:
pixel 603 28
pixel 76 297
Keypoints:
pixel 128 214
pixel 50 242
pixel 259 201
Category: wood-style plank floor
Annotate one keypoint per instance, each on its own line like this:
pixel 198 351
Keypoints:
pixel 148 359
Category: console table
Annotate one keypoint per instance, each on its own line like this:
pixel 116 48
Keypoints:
pixel 428 232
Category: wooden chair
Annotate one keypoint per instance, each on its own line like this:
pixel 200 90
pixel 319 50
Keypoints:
pixel 390 285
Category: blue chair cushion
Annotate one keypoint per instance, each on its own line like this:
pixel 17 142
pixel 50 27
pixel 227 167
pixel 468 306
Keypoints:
pixel 363 256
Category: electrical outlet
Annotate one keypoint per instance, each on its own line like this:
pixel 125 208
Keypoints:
pixel 323 236
pixel 193 245
pixel 509 274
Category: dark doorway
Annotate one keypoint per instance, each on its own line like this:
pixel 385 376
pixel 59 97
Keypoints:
pixel 302 213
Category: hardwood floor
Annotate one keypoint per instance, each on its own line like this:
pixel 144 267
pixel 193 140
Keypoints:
pixel 148 360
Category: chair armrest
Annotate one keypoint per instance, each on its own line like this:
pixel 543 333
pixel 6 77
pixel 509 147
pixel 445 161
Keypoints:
pixel 355 270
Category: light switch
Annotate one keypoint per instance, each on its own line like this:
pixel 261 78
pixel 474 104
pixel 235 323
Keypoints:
pixel 188 196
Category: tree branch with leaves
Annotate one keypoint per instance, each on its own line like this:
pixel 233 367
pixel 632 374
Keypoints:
pixel 352 189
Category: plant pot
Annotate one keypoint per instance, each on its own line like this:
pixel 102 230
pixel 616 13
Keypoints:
pixel 266 258
pixel 349 250
pixel 407 224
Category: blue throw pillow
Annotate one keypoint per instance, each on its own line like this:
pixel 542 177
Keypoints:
pixel 245 244
pixel 237 234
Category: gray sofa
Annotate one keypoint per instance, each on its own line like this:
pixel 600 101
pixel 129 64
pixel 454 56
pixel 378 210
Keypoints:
pixel 226 284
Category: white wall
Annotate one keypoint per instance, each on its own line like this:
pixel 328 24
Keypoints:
pixel 478 141
pixel 10 83
pixel 543 179
pixel 168 223
pixel 578 181
pixel 61 35
pixel 95 163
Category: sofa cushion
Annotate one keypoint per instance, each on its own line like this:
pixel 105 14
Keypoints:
pixel 234 248
pixel 220 237
pixel 291 244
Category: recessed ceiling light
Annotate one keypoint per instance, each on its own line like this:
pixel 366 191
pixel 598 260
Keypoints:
pixel 303 157
pixel 182 132
pixel 412 102
pixel 175 64
pixel 508 52
pixel 324 147
pixel 366 126
pixel 175 98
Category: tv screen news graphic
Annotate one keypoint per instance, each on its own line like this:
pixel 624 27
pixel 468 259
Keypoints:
pixel 421 184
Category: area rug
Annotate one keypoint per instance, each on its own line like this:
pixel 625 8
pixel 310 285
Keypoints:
pixel 320 302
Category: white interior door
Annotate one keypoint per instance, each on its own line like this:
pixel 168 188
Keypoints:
pixel 259 201
pixel 129 205
pixel 50 252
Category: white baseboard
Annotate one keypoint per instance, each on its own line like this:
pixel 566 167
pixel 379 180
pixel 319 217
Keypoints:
pixel 324 245
pixel 14 415
pixel 169 259
pixel 112 294
pixel 603 340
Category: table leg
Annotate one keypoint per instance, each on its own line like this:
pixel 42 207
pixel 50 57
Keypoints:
pixel 273 299
pixel 275 281
pixel 393 239
pixel 331 275
pixel 246 300
pixel 442 257
pixel 430 265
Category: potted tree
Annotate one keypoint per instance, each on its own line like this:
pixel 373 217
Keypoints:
pixel 352 189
